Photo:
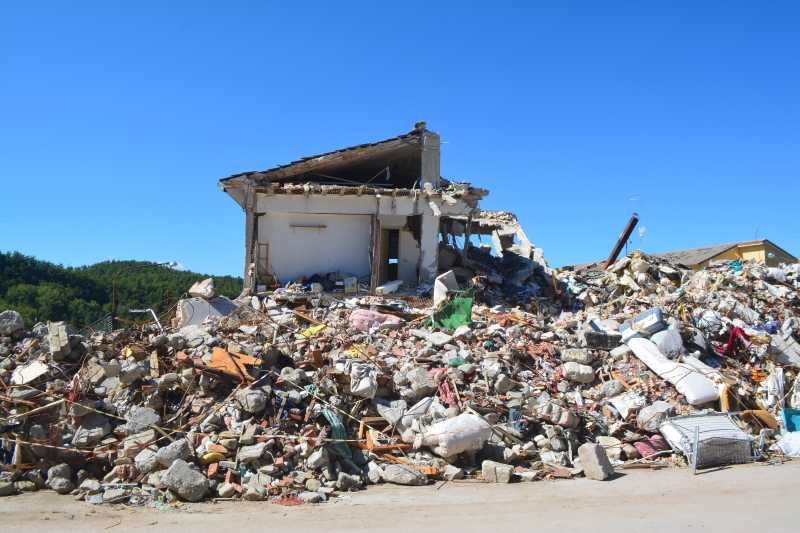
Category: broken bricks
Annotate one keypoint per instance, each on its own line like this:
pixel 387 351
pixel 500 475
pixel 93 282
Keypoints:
pixel 276 401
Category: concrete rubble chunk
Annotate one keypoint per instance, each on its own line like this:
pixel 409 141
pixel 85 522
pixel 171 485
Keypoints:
pixel 203 289
pixel 188 483
pixel 403 475
pixel 315 385
pixel 175 451
pixel 594 462
pixel 141 418
pixel 93 427
pixel 10 322
pixel 495 472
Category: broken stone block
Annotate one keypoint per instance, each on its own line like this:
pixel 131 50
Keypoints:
pixel 226 490
pixel 175 451
pixel 502 384
pixel 577 355
pixel 403 475
pixel 347 482
pixel 140 419
pixel 132 371
pixel 452 472
pixel 311 497
pixel 318 459
pixel 252 453
pixel 92 429
pixel 594 462
pixel 186 482
pixel 25 486
pixel 421 382
pixel 10 322
pixel 7 488
pixel 651 416
pixel 58 340
pixel 578 373
pixel 146 461
pixel 59 478
pixel 495 472
pixel 203 289
pixel 611 445
pixel 252 400
pixel 90 485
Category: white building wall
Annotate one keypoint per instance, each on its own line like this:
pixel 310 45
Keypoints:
pixel 294 251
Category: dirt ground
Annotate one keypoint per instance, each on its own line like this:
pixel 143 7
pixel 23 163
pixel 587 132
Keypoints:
pixel 743 498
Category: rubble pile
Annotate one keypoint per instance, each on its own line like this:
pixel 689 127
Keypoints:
pixel 297 395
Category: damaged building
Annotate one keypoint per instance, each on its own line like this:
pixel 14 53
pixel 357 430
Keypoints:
pixel 380 212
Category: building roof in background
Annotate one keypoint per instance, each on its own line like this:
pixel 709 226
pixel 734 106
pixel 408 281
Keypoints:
pixel 695 256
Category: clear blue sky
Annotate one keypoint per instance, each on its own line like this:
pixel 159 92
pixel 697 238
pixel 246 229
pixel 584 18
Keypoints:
pixel 118 118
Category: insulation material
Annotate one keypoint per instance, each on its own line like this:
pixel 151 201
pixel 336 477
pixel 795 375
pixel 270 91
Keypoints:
pixel 697 388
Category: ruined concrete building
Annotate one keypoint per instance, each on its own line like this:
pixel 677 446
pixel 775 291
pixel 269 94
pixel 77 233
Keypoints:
pixel 379 212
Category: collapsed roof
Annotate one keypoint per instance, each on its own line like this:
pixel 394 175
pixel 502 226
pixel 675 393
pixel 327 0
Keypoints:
pixel 393 166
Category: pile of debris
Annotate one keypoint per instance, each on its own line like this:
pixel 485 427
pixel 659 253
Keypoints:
pixel 298 395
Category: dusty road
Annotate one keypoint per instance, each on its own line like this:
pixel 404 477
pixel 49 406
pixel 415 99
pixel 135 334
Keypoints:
pixel 744 498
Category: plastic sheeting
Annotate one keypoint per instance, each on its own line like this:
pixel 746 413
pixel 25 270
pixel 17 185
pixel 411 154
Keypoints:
pixel 457 435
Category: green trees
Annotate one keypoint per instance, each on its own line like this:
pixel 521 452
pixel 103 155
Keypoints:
pixel 45 291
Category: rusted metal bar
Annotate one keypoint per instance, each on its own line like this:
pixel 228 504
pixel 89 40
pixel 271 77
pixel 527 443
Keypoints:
pixel 623 238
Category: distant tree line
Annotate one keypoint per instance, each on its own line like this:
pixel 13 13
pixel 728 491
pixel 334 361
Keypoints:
pixel 43 291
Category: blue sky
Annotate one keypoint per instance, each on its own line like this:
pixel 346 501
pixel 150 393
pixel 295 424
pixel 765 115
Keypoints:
pixel 118 118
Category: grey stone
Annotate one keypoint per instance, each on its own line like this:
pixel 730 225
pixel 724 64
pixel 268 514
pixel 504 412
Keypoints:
pixel 90 485
pixel 186 482
pixel 318 459
pixel 141 418
pixel 25 486
pixel 439 338
pixel 578 373
pixel 403 475
pixel 252 453
pixel 132 371
pixel 502 384
pixel 61 485
pixel 311 497
pixel 374 472
pixel 146 461
pixel 178 450
pixel 577 355
pixel 254 493
pixel 61 470
pixel 252 400
pixel 452 472
pixel 495 472
pixel 594 461
pixel 226 490
pixel 347 482
pixel 10 322
pixel 421 382
pixel 7 488
pixel 313 485
pixel 651 416
pixel 58 340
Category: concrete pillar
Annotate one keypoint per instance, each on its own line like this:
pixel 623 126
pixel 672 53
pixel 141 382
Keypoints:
pixel 430 172
pixel 429 247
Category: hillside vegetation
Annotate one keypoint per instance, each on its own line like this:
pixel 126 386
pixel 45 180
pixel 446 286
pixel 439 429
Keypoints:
pixel 43 291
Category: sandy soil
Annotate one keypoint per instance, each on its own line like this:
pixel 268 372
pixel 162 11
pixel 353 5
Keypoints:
pixel 743 498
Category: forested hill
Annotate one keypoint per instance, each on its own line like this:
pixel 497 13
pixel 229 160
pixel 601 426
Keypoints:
pixel 42 291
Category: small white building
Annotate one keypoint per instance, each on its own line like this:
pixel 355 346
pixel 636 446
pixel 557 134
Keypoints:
pixel 379 211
